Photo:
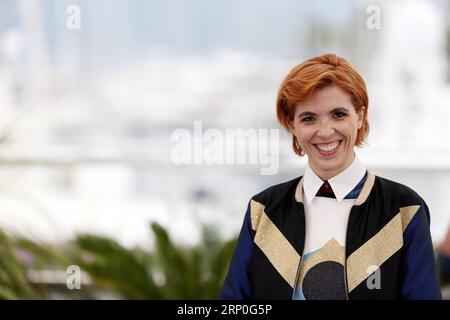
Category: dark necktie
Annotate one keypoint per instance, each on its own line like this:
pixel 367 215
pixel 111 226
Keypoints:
pixel 325 191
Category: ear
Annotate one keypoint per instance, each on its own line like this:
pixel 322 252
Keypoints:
pixel 361 116
pixel 290 126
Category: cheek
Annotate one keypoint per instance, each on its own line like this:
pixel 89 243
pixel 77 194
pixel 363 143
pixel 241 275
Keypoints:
pixel 349 129
pixel 303 135
pixel 352 133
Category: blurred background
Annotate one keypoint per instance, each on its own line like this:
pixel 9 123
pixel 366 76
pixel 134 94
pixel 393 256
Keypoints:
pixel 92 91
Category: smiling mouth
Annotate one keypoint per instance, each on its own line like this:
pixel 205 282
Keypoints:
pixel 327 149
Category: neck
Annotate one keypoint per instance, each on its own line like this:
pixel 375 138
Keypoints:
pixel 328 174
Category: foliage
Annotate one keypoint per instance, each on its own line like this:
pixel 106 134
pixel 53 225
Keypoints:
pixel 14 282
pixel 169 272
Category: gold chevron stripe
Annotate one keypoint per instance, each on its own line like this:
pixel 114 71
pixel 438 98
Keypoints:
pixel 407 214
pixel 367 187
pixel 273 244
pixel 299 191
pixel 256 211
pixel 379 248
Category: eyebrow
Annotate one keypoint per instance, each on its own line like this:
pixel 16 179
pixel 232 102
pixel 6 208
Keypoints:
pixel 306 114
pixel 310 114
pixel 341 109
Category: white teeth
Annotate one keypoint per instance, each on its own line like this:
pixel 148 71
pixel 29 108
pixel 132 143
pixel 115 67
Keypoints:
pixel 328 147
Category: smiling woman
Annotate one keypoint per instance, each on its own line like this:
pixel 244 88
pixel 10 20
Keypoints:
pixel 325 128
pixel 338 231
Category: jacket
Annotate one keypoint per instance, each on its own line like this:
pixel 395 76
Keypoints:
pixel 388 227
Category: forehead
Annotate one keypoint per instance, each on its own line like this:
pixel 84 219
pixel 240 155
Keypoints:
pixel 326 99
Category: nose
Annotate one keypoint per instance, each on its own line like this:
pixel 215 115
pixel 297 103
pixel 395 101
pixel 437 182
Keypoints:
pixel 325 130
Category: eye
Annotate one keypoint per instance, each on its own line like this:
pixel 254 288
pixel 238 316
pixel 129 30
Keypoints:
pixel 339 114
pixel 307 119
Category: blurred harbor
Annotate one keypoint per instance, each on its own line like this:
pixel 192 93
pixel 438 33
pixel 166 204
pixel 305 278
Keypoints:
pixel 87 115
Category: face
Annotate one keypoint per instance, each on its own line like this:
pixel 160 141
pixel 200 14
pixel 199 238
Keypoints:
pixel 326 127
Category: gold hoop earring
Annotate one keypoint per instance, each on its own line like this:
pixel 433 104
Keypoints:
pixel 297 146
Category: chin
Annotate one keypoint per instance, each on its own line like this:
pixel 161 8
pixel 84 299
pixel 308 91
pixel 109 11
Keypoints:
pixel 329 166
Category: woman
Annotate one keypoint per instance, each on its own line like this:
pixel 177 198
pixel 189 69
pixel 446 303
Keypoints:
pixel 338 232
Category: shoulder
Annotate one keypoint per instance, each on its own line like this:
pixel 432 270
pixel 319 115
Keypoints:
pixel 276 193
pixel 274 203
pixel 397 192
pixel 399 198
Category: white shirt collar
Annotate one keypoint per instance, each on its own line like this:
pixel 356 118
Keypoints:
pixel 341 184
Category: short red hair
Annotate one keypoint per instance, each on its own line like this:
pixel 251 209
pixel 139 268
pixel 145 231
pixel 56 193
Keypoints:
pixel 314 74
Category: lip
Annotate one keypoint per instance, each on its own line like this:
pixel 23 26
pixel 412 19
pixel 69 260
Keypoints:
pixel 327 153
